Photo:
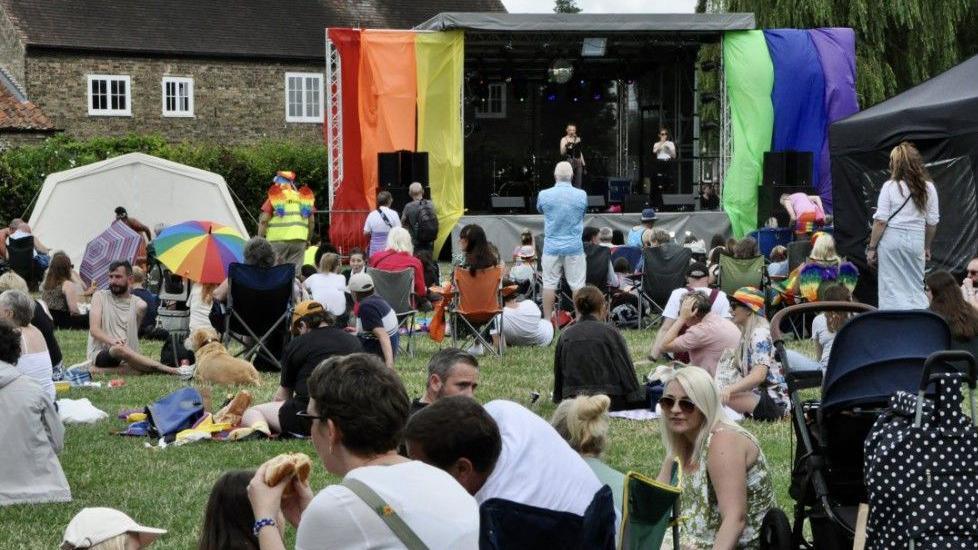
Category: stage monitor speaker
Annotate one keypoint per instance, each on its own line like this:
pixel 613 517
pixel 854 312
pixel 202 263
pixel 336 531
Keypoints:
pixel 508 203
pixel 634 203
pixel 618 189
pixel 401 168
pixel 787 168
pixel 595 201
pixel 388 170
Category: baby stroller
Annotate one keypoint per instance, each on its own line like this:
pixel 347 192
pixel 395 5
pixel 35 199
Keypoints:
pixel 872 358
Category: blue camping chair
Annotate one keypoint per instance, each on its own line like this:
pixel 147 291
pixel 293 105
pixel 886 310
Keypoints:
pixel 631 253
pixel 259 309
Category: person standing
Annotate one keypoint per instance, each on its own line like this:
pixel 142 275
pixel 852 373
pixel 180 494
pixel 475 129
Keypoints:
pixel 420 219
pixel 288 218
pixel 563 209
pixel 380 222
pixel 904 225
pixel 664 149
pixel 570 149
pixel 146 235
pixel 805 211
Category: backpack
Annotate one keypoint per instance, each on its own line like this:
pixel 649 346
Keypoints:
pixel 426 223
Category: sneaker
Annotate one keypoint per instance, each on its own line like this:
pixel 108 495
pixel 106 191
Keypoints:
pixel 186 372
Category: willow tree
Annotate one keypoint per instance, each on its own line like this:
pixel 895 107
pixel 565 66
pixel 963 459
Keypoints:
pixel 899 43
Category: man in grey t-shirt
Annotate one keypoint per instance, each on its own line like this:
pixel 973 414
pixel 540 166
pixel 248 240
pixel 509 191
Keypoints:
pixel 411 216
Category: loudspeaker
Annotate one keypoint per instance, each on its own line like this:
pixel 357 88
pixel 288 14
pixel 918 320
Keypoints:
pixel 508 203
pixel 788 168
pixel 401 168
pixel 595 201
pixel 634 203
pixel 618 189
pixel 388 170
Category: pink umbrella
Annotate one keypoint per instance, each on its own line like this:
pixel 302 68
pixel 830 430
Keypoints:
pixel 118 242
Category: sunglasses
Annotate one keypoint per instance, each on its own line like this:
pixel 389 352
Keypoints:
pixel 310 417
pixel 685 405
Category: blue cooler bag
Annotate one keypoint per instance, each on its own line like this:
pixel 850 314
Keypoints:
pixel 175 412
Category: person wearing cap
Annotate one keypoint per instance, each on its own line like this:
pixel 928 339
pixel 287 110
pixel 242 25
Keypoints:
pixel 288 218
pixel 523 273
pixel 377 325
pixel 634 237
pixel 523 324
pixel 107 528
pixel 317 338
pixel 563 209
pixel 697 279
pixel 755 384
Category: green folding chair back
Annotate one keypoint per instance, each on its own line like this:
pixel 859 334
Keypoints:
pixel 650 508
pixel 737 273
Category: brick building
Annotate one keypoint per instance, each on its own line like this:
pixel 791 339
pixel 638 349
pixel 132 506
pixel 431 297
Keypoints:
pixel 231 71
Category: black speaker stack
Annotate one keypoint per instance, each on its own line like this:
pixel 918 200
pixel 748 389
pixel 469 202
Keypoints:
pixel 399 169
pixel 785 172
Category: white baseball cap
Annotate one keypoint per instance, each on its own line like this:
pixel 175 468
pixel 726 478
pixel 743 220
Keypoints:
pixel 93 526
pixel 361 282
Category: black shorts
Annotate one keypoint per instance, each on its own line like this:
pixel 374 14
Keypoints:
pixel 104 360
pixel 766 409
pixel 291 424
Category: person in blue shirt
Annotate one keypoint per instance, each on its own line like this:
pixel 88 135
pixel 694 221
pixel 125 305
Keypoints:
pixel 563 208
pixel 635 234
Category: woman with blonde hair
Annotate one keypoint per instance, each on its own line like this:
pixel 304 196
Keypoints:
pixel 328 287
pixel 904 225
pixel 823 267
pixel 727 489
pixel 583 423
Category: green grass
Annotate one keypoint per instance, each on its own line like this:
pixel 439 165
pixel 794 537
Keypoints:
pixel 169 488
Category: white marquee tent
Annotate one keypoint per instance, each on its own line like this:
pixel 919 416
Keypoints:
pixel 76 205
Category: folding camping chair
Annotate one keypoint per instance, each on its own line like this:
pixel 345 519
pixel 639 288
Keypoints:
pixel 664 271
pixel 631 253
pixel 736 273
pixel 798 252
pixel 650 508
pixel 259 309
pixel 396 288
pixel 172 315
pixel 20 258
pixel 478 300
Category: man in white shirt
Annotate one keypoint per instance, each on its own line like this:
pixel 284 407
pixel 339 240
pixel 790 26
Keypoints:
pixel 523 322
pixel 698 279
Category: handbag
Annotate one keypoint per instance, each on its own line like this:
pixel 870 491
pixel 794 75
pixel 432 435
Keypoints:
pixel 388 515
pixel 175 412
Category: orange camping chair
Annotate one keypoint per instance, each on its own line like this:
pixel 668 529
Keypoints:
pixel 478 300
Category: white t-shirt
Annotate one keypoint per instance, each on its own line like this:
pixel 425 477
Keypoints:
pixel 375 223
pixel 822 335
pixel 721 306
pixel 892 196
pixel 536 466
pixel 329 289
pixel 524 325
pixel 439 511
pixel 200 311
pixel 664 150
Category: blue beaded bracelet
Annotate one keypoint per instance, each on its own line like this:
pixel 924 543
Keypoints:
pixel 261 524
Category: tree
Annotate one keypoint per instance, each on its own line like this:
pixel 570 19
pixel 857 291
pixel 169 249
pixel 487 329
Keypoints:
pixel 899 43
pixel 566 6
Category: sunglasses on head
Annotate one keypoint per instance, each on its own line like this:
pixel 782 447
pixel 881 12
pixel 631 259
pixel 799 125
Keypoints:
pixel 685 405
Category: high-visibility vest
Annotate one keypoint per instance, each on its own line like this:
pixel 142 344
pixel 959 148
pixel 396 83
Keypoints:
pixel 287 222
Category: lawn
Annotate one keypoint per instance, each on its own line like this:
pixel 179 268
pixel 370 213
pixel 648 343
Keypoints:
pixel 168 488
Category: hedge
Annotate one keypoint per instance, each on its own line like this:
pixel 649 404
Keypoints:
pixel 248 169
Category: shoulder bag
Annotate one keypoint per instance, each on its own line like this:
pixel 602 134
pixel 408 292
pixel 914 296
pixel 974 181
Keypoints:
pixel 375 502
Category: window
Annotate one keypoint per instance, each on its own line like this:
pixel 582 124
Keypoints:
pixel 109 95
pixel 303 97
pixel 178 96
pixel 495 104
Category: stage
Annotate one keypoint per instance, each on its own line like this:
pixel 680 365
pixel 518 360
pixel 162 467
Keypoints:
pixel 504 230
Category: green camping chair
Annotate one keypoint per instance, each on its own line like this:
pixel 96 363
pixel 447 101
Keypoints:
pixel 650 507
pixel 736 273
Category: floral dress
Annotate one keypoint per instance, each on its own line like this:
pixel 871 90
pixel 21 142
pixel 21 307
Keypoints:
pixel 700 512
pixel 761 352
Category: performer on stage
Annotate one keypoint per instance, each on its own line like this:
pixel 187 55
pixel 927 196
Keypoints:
pixel 570 149
pixel 664 149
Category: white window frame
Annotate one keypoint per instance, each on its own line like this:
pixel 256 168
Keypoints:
pixel 92 111
pixel 495 88
pixel 177 81
pixel 303 104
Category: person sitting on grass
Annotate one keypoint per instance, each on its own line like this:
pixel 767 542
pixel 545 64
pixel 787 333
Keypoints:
pixel 451 371
pixel 62 292
pixel 41 320
pixel 328 287
pixel 147 328
pixel 377 325
pixel 317 338
pixel 583 423
pixel 697 279
pixel 825 326
pixel 358 409
pixel 228 519
pixel 17 308
pixel 946 300
pixel 530 485
pixel 592 357
pixel 727 488
pixel 31 432
pixel 113 335
pixel 707 334
pixel 755 384
pixel 522 322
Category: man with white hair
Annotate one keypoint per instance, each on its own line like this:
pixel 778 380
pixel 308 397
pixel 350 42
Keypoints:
pixel 563 208
pixel 419 219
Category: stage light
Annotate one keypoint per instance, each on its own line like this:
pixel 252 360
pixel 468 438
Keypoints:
pixel 597 90
pixel 594 47
pixel 521 89
pixel 561 71
pixel 549 93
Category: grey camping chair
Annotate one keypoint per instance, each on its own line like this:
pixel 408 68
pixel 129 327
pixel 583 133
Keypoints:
pixel 397 289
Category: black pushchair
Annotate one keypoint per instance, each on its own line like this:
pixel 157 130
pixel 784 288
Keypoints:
pixel 874 355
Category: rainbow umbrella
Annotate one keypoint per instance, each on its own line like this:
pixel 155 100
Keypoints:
pixel 199 250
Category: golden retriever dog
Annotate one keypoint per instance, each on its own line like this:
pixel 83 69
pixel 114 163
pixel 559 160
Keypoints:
pixel 214 363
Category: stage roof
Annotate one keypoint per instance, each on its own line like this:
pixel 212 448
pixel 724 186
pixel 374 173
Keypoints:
pixel 590 23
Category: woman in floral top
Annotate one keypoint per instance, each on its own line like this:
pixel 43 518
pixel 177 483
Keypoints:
pixel 760 392
pixel 726 490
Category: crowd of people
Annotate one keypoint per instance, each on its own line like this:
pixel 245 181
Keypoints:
pixel 451 472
